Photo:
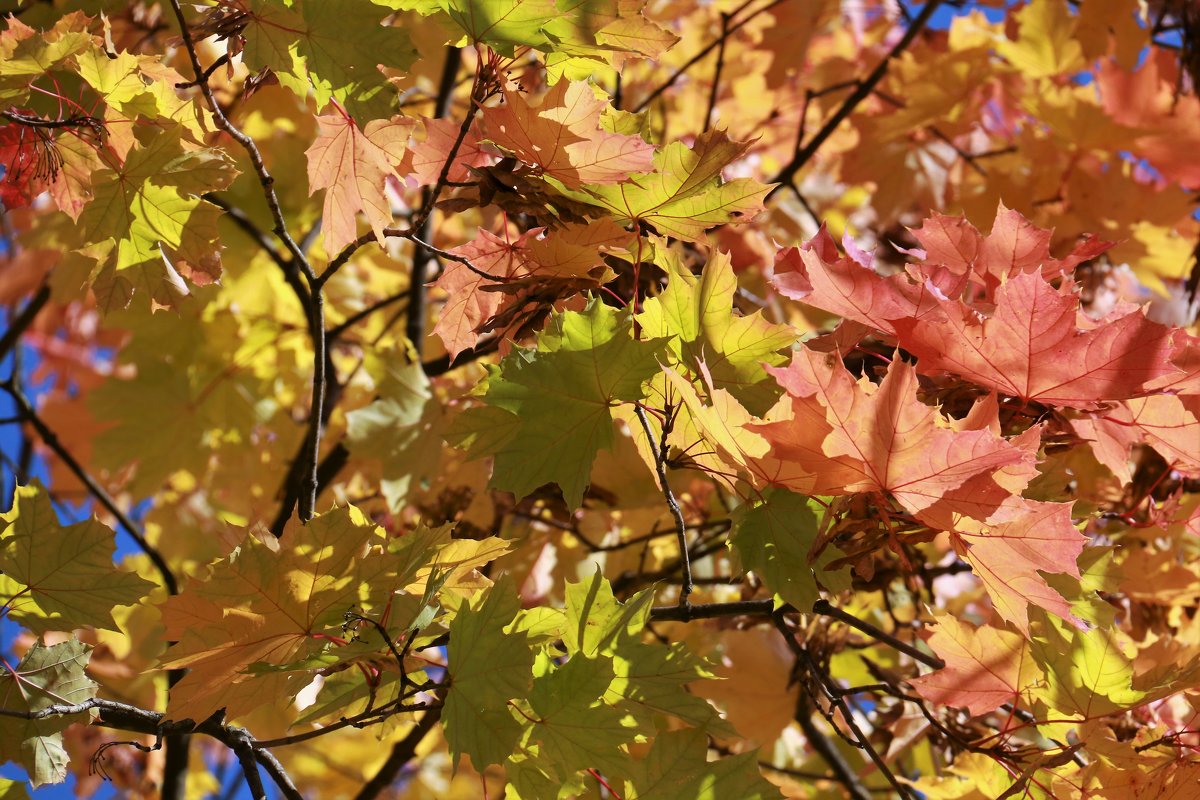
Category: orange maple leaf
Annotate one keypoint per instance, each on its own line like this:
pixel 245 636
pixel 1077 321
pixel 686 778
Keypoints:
pixel 1035 346
pixel 854 436
pixel 353 166
pixel 986 667
pixel 562 137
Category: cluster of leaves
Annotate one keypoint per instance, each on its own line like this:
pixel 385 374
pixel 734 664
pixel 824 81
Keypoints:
pixel 487 405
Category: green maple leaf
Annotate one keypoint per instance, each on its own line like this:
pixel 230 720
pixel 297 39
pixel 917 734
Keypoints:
pixel 489 665
pixel 1088 674
pixel 596 620
pixel 45 677
pixel 276 607
pixel 685 195
pixel 773 540
pixel 549 410
pixel 58 578
pixel 574 728
pixel 651 679
pixel 150 209
pixel 334 47
pixel 697 311
pixel 677 767
pixel 399 428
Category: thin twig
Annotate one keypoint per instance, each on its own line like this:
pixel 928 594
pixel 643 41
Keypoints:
pixel 698 57
pixel 23 320
pixel 716 82
pixel 660 465
pixel 824 608
pixel 402 753
pixel 860 93
pixel 97 491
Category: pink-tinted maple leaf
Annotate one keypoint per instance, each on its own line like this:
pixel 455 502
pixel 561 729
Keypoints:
pixel 817 274
pixel 1009 556
pixel 1168 423
pixel 562 136
pixel 1033 347
pixel 986 667
pixel 352 166
pixel 468 305
pixel 424 160
pixel 1014 246
pixel 855 436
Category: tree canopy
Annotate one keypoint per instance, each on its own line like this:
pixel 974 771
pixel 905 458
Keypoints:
pixel 616 399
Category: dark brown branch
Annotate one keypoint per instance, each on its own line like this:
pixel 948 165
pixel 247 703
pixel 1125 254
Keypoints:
pixel 402 753
pixel 861 92
pixel 716 82
pixel 762 608
pixel 27 411
pixel 23 320
pixel 298 262
pixel 700 56
pixel 660 464
pixel 247 226
pixel 824 608
pixel 208 73
pixel 122 716
pixel 842 771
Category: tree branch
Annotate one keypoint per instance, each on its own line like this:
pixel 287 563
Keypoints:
pixel 23 320
pixel 698 57
pixel 298 261
pixel 27 411
pixel 860 93
pixel 660 465
pixel 824 608
pixel 401 754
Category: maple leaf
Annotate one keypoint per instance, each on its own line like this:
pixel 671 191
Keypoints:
pixel 468 305
pixel 853 436
pixel 562 136
pixel 352 167
pixel 1014 246
pixel 573 728
pixel 150 205
pixel 333 47
pixel 1044 45
pixel 1009 555
pixel 677 766
pixel 549 411
pixel 503 25
pixel 986 666
pixel 489 664
pixel 1034 347
pixel 399 428
pixel 279 603
pixel 685 195
pixel 1168 423
pixel 46 676
pixel 775 539
pixel 57 577
pixel 1088 672
pixel 425 159
pixel 696 312
pixel 588 28
pixel 818 275
pixel 597 621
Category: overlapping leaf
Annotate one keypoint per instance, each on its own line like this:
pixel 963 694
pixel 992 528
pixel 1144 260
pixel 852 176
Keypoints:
pixel 56 577
pixel 549 411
